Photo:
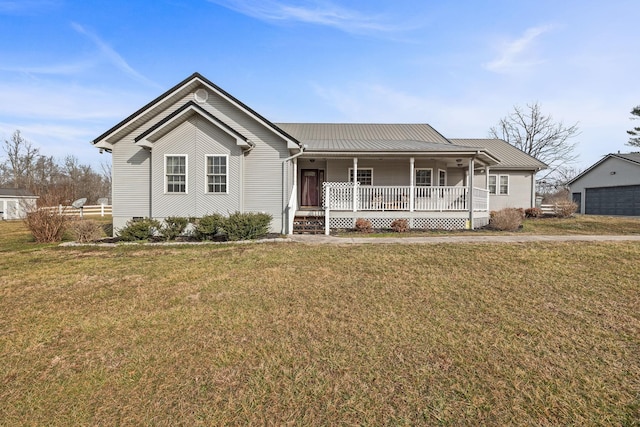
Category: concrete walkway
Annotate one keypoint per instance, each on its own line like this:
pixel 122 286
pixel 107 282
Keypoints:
pixel 311 239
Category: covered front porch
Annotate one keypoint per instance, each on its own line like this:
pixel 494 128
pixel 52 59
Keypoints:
pixel 434 192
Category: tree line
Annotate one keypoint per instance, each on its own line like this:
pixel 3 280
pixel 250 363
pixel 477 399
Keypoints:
pixel 22 166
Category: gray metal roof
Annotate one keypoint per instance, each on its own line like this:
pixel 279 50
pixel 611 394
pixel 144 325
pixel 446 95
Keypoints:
pixel 632 157
pixel 306 132
pixel 376 145
pixel 510 156
pixel 16 192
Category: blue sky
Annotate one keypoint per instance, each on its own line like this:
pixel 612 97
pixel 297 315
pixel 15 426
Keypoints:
pixel 69 70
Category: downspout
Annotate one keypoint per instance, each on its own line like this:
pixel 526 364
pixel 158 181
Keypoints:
pixel 293 190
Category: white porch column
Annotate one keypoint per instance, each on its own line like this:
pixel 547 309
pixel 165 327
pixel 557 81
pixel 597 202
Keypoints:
pixel 293 199
pixel 412 162
pixel 486 172
pixel 355 186
pixel 470 191
pixel 327 197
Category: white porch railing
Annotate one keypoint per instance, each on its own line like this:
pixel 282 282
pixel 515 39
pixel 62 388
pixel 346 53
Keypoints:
pixel 340 196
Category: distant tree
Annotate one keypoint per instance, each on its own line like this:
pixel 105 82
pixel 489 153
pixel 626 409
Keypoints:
pixel 21 160
pixel 540 136
pixel 634 141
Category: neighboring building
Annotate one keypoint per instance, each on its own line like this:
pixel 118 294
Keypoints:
pixel 196 150
pixel 15 202
pixel 609 187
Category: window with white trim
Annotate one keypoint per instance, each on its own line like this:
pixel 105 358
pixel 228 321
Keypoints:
pixel 442 177
pixel 217 174
pixel 424 177
pixel 364 176
pixel 175 172
pixel 499 184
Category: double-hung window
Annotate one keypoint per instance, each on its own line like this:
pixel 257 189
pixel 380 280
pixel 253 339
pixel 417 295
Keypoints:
pixel 364 176
pixel 217 174
pixel 175 172
pixel 499 184
pixel 424 177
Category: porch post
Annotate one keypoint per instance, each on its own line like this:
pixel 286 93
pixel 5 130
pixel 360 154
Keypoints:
pixel 355 184
pixel 293 199
pixel 412 162
pixel 327 198
pixel 486 172
pixel 470 191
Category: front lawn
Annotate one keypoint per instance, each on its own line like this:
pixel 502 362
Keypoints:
pixel 288 334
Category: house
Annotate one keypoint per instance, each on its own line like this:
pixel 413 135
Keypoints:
pixel 610 187
pixel 197 150
pixel 15 202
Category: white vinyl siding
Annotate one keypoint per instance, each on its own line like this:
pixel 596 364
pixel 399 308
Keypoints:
pixel 499 184
pixel 217 174
pixel 175 173
pixel 364 176
pixel 424 177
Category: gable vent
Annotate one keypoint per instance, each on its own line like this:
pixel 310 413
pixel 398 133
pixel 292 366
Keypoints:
pixel 201 96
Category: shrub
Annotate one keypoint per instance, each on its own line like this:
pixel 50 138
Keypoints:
pixel 86 230
pixel 173 227
pixel 508 219
pixel 533 213
pixel 46 225
pixel 400 225
pixel 208 226
pixel 363 225
pixel 565 208
pixel 139 229
pixel 246 226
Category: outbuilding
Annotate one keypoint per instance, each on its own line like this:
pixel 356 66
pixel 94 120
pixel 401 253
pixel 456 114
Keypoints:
pixel 609 187
pixel 14 202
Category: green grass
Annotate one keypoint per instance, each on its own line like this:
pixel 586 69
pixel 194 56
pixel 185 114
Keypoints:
pixel 286 334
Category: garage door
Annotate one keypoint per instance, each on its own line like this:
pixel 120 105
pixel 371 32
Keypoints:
pixel 613 201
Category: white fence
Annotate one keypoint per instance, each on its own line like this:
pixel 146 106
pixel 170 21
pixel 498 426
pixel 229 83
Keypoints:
pixel 88 210
pixel 345 196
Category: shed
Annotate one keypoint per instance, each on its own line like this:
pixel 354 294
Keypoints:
pixel 610 187
pixel 14 202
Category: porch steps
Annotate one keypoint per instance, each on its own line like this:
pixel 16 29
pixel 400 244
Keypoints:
pixel 308 225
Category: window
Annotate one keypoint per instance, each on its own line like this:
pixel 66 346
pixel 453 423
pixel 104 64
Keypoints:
pixel 175 170
pixel 442 177
pixel 364 176
pixel 499 184
pixel 423 177
pixel 217 174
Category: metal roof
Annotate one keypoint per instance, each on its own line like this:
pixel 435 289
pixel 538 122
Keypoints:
pixel 510 156
pixel 307 132
pixel 632 157
pixel 16 192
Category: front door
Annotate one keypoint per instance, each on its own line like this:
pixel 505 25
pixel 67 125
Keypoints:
pixel 310 187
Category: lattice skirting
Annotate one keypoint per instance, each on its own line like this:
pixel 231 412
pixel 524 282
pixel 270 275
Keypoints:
pixel 418 223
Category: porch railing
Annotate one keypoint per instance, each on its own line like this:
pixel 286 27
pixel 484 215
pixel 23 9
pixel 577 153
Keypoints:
pixel 345 196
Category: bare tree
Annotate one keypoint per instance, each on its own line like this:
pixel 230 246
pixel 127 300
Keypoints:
pixel 541 137
pixel 21 160
pixel 634 141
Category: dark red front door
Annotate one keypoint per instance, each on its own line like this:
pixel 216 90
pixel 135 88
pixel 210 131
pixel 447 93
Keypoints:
pixel 310 192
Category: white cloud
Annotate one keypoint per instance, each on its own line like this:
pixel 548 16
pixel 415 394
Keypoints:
pixel 516 54
pixel 26 6
pixel 318 13
pixel 114 57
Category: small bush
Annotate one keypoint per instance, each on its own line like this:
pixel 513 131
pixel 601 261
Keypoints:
pixel 508 219
pixel 565 208
pixel 363 226
pixel 173 227
pixel 533 213
pixel 141 229
pixel 46 225
pixel 86 230
pixel 400 225
pixel 208 226
pixel 247 226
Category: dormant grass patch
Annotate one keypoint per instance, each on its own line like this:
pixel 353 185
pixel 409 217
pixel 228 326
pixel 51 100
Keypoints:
pixel 281 334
